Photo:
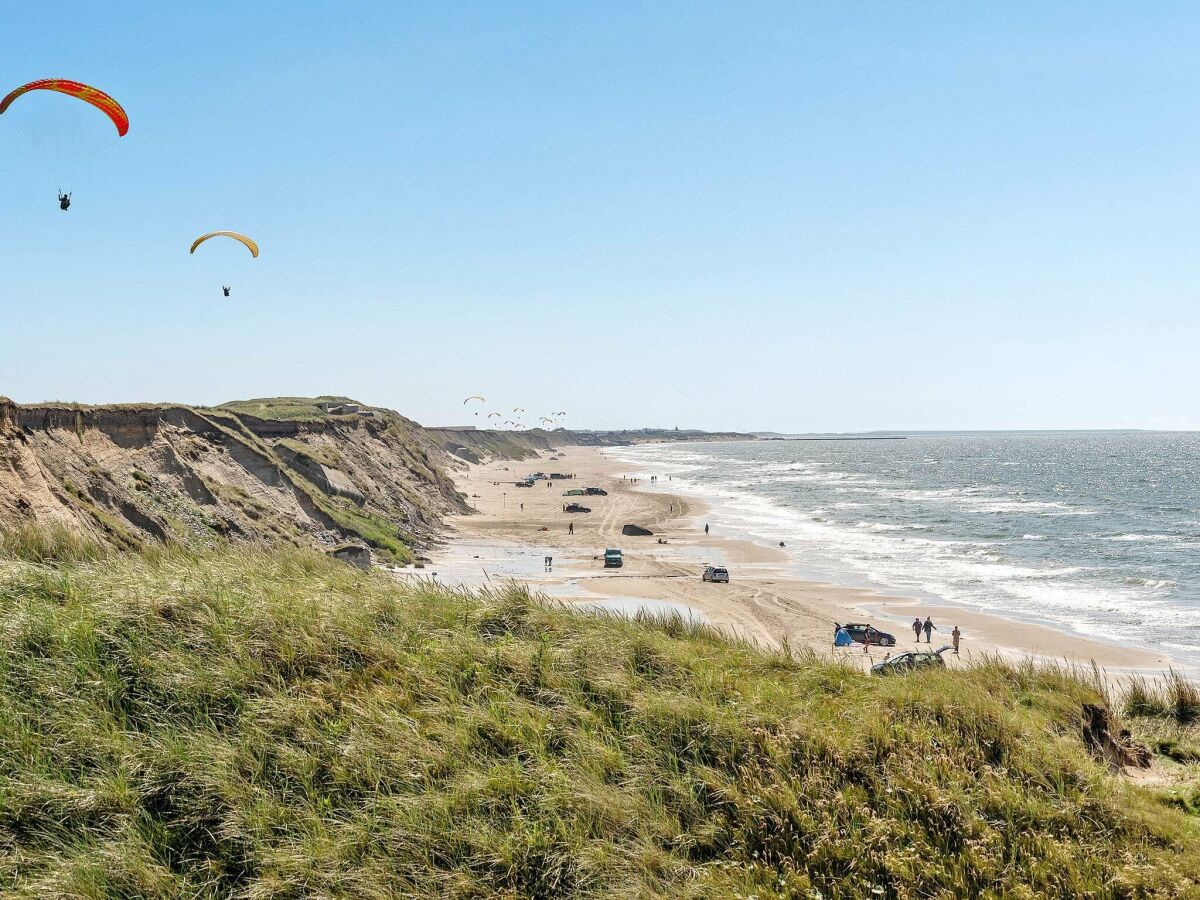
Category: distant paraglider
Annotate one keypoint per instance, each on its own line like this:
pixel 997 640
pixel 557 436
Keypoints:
pixel 493 415
pixel 517 409
pixel 64 201
pixel 240 238
pixel 473 397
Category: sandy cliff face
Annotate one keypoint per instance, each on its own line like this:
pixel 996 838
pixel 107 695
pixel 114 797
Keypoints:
pixel 129 474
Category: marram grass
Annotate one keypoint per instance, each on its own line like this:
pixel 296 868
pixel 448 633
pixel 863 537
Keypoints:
pixel 272 724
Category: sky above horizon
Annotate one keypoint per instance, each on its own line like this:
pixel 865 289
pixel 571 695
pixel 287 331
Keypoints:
pixel 794 217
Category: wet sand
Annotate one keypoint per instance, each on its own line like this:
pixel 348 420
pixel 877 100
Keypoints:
pixel 514 529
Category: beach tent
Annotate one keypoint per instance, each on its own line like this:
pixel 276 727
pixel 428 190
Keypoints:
pixel 842 638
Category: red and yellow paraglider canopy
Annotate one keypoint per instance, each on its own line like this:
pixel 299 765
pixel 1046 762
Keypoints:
pixel 84 92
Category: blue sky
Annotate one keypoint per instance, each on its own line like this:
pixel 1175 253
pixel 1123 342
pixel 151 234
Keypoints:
pixel 791 216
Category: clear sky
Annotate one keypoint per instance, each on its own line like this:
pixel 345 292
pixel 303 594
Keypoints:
pixel 792 216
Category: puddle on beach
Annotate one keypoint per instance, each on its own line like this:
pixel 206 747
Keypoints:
pixel 631 606
pixel 469 564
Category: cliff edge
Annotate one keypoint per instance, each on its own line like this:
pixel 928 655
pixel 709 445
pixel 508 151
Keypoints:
pixel 286 470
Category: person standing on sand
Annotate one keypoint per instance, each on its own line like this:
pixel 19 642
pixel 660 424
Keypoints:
pixel 706 528
pixel 917 628
pixel 955 637
pixel 570 528
pixel 929 626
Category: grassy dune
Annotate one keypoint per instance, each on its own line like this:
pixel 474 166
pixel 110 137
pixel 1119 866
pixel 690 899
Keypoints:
pixel 266 724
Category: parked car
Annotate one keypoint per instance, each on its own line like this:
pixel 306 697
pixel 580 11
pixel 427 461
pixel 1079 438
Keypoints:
pixel 613 559
pixel 576 508
pixel 524 484
pixel 859 632
pixel 574 492
pixel 595 492
pixel 715 574
pixel 910 661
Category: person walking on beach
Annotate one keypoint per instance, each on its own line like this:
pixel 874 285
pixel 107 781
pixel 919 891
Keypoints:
pixel 706 528
pixel 955 637
pixel 570 528
pixel 929 626
pixel 917 628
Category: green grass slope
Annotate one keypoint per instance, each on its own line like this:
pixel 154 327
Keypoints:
pixel 270 724
pixel 287 409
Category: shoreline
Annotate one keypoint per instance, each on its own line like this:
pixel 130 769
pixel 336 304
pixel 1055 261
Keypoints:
pixel 766 600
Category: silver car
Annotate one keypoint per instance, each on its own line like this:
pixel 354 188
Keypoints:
pixel 715 574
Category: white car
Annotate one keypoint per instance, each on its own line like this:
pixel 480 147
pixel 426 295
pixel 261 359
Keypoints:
pixel 715 574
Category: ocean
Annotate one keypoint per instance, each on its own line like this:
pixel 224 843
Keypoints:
pixel 1094 532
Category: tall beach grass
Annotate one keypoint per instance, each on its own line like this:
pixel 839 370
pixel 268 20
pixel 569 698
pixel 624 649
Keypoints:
pixel 269 723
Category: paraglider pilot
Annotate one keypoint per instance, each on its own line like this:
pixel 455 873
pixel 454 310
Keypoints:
pixel 64 201
pixel 226 290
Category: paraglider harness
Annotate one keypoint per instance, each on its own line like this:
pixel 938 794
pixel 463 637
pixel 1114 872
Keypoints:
pixel 226 290
pixel 64 201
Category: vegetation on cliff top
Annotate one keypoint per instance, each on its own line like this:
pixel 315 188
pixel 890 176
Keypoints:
pixel 255 723
pixel 288 409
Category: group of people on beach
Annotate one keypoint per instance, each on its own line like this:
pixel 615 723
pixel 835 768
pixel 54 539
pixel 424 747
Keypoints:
pixel 928 628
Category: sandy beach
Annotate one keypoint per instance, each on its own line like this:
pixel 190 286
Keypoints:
pixel 515 529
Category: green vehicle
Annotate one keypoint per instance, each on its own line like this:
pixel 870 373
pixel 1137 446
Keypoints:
pixel 613 559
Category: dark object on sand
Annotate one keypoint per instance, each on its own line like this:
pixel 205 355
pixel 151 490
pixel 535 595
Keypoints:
pixel 354 554
pixel 636 531
pixel 576 508
pixel 1117 751
pixel 595 492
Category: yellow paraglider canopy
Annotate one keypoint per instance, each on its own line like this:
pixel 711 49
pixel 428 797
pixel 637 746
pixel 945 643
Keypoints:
pixel 250 245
